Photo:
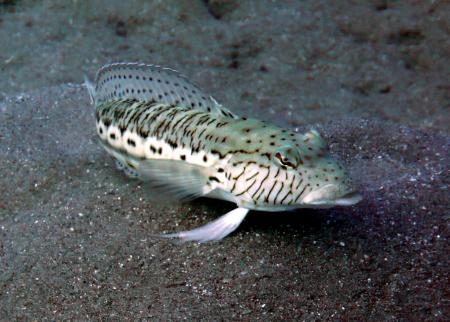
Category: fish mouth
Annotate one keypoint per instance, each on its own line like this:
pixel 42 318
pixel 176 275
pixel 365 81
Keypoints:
pixel 348 199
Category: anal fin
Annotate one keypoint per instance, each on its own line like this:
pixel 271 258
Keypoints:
pixel 129 171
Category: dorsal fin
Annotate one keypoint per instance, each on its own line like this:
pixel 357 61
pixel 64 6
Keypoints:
pixel 152 83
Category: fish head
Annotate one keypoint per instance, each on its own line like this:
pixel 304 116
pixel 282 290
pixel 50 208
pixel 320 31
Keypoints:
pixel 327 183
pixel 294 172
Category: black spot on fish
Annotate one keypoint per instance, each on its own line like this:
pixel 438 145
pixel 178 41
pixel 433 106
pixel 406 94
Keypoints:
pixel 205 159
pixel 152 148
pixel 131 142
pixel 112 136
pixel 160 151
pixel 213 179
pixel 143 134
pixel 218 153
pixel 183 157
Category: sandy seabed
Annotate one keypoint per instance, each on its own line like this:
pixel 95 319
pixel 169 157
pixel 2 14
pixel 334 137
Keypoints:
pixel 76 235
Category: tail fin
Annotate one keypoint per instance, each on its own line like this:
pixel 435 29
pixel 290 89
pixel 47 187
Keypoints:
pixel 90 87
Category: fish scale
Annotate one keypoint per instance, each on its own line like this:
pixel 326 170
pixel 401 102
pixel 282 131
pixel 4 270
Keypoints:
pixel 164 129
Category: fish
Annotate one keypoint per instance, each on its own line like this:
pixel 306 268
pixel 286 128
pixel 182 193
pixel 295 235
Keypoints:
pixel 163 129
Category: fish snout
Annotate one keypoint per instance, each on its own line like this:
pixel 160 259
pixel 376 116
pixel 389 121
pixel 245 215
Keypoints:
pixel 331 195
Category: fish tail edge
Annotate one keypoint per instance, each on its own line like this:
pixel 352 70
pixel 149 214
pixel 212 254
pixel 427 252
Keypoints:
pixel 90 87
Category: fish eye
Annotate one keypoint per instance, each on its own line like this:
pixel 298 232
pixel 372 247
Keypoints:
pixel 287 157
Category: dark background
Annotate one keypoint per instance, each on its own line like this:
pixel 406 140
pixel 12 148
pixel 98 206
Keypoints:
pixel 371 76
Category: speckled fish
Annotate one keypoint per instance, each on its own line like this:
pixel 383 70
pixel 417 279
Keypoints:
pixel 162 128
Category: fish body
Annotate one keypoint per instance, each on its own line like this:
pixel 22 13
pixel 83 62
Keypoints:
pixel 162 128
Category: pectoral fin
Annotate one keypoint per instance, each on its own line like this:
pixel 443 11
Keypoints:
pixel 171 178
pixel 214 230
pixel 180 179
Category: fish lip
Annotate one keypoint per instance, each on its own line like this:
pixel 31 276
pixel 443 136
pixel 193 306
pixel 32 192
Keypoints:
pixel 349 199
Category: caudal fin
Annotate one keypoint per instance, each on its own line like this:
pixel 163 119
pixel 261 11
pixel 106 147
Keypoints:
pixel 90 87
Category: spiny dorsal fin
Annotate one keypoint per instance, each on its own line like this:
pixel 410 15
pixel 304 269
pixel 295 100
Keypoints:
pixel 152 83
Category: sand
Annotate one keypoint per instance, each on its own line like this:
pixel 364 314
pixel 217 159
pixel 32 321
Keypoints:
pixel 76 234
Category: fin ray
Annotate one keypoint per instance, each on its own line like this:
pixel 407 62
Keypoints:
pixel 152 83
pixel 90 87
pixel 180 179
